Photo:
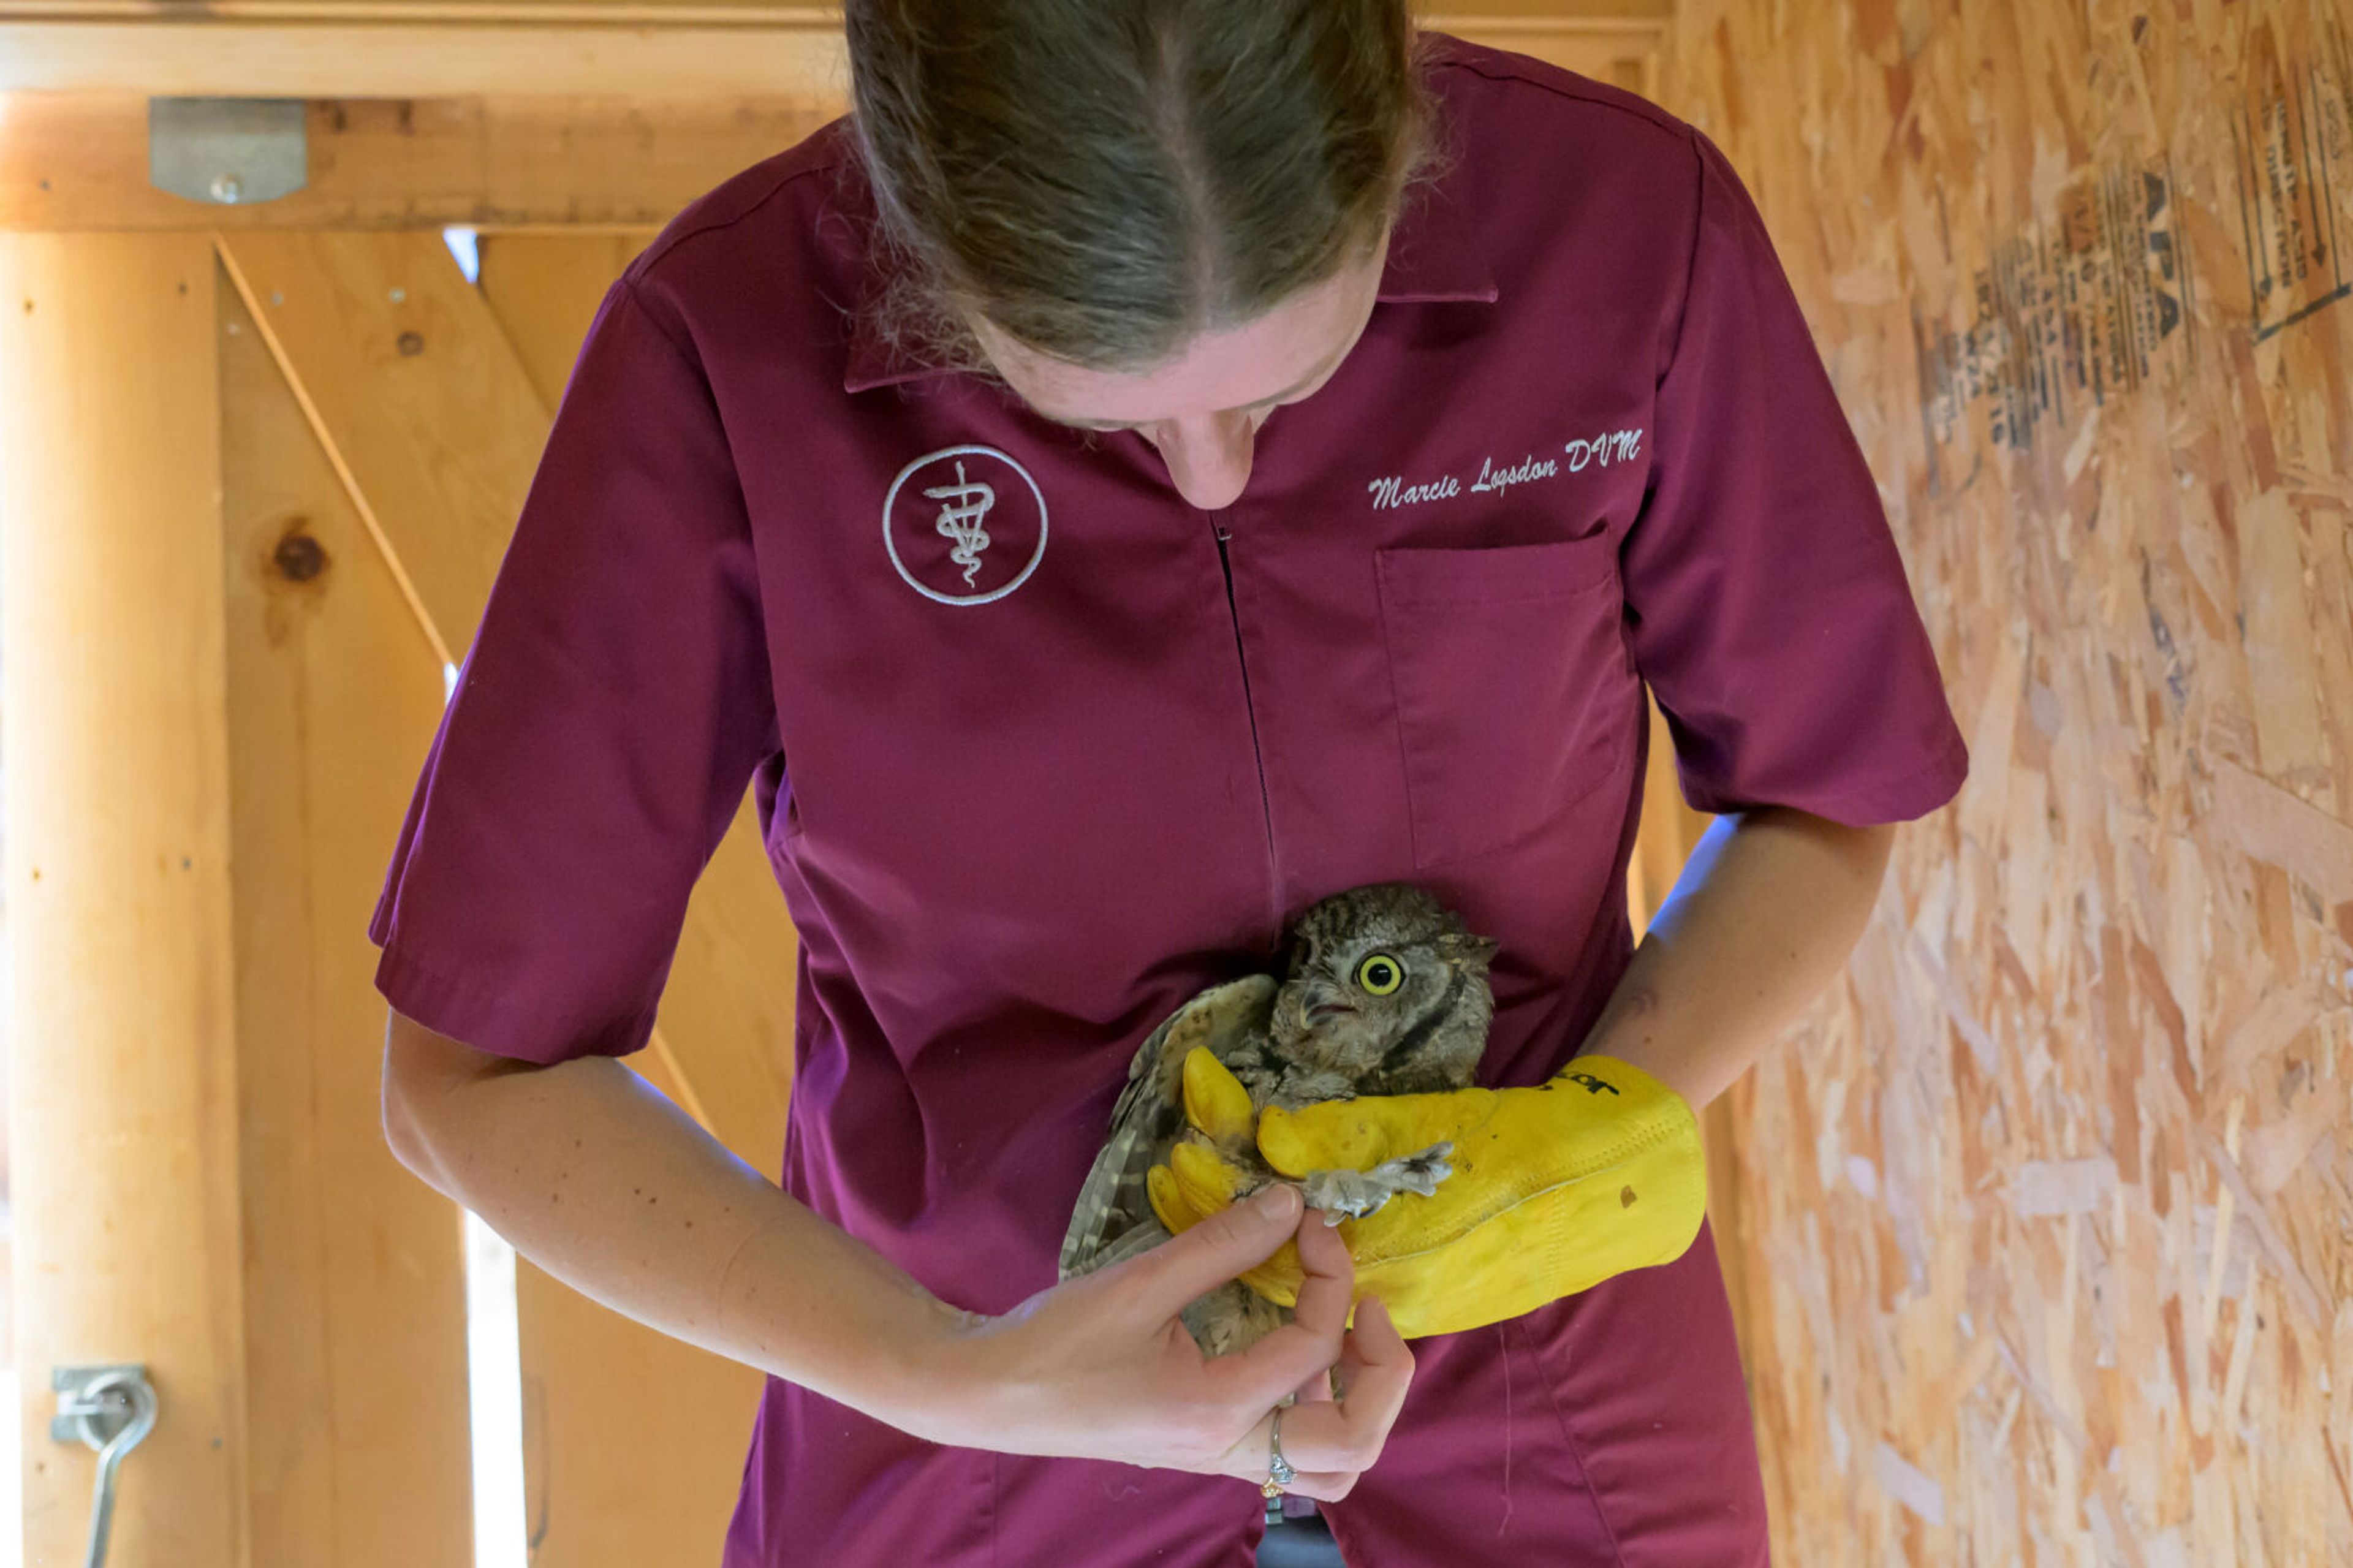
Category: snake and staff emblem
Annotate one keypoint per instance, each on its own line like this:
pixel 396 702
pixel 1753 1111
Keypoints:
pixel 963 507
pixel 985 505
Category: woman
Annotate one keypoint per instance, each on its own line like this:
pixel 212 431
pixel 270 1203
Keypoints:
pixel 1159 464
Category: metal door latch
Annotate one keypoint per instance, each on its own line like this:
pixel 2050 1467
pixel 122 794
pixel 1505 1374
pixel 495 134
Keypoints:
pixel 112 1409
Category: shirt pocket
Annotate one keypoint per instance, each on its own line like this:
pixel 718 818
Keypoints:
pixel 1511 678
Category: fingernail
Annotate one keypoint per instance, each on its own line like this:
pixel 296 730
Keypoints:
pixel 1278 1202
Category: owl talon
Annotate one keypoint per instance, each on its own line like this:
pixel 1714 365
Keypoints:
pixel 1352 1195
pixel 1345 1195
pixel 1419 1173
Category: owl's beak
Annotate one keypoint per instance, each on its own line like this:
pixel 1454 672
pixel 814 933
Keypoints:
pixel 1322 1004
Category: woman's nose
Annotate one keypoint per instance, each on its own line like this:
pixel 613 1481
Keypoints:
pixel 1209 458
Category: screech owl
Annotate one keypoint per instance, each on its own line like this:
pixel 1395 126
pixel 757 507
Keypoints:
pixel 1384 992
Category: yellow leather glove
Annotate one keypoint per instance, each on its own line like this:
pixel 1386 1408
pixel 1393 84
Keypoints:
pixel 1554 1188
pixel 1198 1182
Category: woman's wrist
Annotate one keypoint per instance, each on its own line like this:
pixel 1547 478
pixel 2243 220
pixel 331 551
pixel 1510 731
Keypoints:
pixel 936 1370
pixel 1764 916
pixel 823 1309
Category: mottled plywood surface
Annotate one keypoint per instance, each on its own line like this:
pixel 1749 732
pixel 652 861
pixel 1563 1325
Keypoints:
pixel 2047 1210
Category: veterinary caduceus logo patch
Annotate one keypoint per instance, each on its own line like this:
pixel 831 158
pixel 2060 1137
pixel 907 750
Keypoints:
pixel 964 525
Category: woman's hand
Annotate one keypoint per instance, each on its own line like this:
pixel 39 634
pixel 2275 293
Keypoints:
pixel 1100 1367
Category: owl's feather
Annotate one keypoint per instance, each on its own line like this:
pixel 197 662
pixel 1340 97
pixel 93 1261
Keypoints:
pixel 1149 1117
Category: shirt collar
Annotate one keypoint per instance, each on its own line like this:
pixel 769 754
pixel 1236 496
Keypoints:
pixel 1432 258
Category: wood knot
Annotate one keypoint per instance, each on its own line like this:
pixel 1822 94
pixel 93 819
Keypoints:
pixel 411 344
pixel 299 557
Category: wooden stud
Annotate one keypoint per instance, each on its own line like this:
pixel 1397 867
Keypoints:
pixel 122 1024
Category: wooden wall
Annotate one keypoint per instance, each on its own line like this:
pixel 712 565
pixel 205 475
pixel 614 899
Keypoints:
pixel 2046 1212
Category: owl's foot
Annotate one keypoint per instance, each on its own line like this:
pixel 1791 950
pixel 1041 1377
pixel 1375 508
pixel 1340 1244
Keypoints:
pixel 1352 1195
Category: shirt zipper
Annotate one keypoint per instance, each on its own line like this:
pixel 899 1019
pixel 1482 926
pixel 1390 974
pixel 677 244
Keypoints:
pixel 1258 752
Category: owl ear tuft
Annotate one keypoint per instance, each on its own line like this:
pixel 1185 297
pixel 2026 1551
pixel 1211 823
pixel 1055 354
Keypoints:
pixel 1461 947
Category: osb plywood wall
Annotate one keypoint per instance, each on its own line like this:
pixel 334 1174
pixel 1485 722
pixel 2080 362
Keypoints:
pixel 2046 1212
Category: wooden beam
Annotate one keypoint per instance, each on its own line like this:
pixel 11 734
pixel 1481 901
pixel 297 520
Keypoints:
pixel 789 50
pixel 415 397
pixel 75 160
pixel 122 1026
pixel 685 55
pixel 354 1274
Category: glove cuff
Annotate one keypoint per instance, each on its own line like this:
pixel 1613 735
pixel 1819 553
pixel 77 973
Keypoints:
pixel 1661 1142
pixel 1633 1198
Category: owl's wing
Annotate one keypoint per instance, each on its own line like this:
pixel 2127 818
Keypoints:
pixel 1149 1115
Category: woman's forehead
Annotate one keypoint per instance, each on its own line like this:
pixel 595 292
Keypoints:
pixel 1278 355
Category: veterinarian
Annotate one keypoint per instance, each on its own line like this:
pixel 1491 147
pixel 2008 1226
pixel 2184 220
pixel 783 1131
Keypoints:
pixel 1159 463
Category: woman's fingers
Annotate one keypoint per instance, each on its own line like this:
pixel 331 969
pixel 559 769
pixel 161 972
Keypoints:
pixel 1304 1349
pixel 1248 1459
pixel 1329 1281
pixel 1376 1368
pixel 1328 1277
pixel 1346 1435
pixel 1329 1441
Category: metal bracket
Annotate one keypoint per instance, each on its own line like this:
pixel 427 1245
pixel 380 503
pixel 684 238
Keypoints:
pixel 112 1409
pixel 227 152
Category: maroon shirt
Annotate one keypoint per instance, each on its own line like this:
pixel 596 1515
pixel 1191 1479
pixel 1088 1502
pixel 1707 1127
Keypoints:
pixel 1040 751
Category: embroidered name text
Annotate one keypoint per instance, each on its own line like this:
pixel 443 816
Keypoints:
pixel 1394 492
pixel 1501 480
pixel 1617 446
pixel 1603 449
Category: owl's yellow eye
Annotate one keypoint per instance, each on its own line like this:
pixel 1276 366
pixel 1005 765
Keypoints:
pixel 1379 973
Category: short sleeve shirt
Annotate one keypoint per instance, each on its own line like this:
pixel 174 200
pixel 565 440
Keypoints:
pixel 1040 751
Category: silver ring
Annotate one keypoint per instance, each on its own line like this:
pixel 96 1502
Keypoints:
pixel 1278 1473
